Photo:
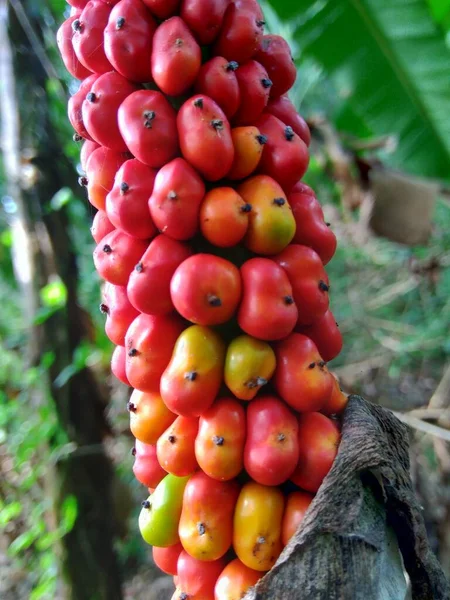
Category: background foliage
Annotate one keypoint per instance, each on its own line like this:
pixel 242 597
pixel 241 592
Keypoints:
pixel 373 83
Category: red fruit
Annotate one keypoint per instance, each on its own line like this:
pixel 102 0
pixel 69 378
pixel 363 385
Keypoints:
pixel 166 558
pixel 119 312
pixel 275 55
pixel 271 447
pixel 252 6
pixel 235 580
pixel 219 446
pixel 149 416
pixel 176 57
pixel 285 155
pixel 206 522
pixel 224 217
pixel 248 147
pixel 337 401
pixel 254 87
pixel 128 40
pixel 283 109
pixel 176 198
pixel 116 255
pixel 205 137
pixel 147 123
pixel 118 364
pixel 149 342
pixel 297 503
pixel 127 202
pixel 74 107
pixel 101 226
pixel 204 18
pixel 101 169
pixel 318 439
pixel 154 272
pixel 78 4
pixel 88 36
pixel 64 40
pixel 206 289
pixel 175 447
pixel 301 377
pixel 309 281
pixel 197 578
pixel 146 467
pixel 163 9
pixel 267 310
pixel 87 149
pixel 325 333
pixel 241 34
pixel 100 106
pixel 217 79
pixel 311 228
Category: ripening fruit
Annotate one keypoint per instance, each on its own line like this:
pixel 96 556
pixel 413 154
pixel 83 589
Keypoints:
pixel 206 289
pixel 87 149
pixel 309 280
pixel 248 147
pixel 163 9
pixel 267 310
pixel 101 169
pixel 206 521
pixel 74 106
pixel 149 343
pixel 160 514
pixel 100 106
pixel 217 79
pixel 64 40
pixel 166 559
pixel 77 5
pixel 318 438
pixel 297 503
pixel 119 312
pixel 254 88
pixel 311 229
pixel 249 365
pixel 271 448
pixel 128 40
pixel 147 123
pixel 224 217
pixel 285 155
pixel 337 401
pixel 240 35
pixel 193 377
pixel 146 468
pixel 235 581
pixel 176 447
pixel 197 578
pixel 271 223
pixel 275 56
pixel 154 272
pixel 88 36
pixel 176 198
pixel 324 332
pixel 176 57
pixel 149 416
pixel 301 376
pixel 127 202
pixel 204 18
pixel 257 526
pixel 283 109
pixel 116 255
pixel 205 137
pixel 219 446
pixel 101 226
pixel 118 360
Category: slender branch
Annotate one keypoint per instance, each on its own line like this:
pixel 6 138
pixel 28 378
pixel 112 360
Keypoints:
pixel 423 426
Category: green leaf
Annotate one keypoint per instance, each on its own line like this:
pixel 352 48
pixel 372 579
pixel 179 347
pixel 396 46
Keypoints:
pixel 22 542
pixel 69 513
pixel 10 512
pixel 390 65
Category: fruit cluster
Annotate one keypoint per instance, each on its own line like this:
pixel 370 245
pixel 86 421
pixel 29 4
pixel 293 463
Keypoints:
pixel 216 296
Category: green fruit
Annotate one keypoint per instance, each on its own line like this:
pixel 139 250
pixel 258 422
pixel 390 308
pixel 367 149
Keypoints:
pixel 160 514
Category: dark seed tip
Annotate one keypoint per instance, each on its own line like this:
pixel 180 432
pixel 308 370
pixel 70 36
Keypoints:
pixel 281 437
pixel 76 25
pixel 172 195
pixel 328 224
pixel 266 83
pixel 311 365
pixel 83 181
pixel 262 139
pixel 260 23
pixel 77 137
pixel 191 375
pixel 323 287
pixel 104 309
pixel 288 300
pixel 218 440
pixel 172 439
pixel 261 381
pixel 201 528
pixel 279 201
pixel 146 504
pixel 232 66
pixel 214 301
pixel 289 133
pixel 321 364
pixel 133 352
pixel 184 596
pixel 131 407
pixel 91 97
pixel 133 451
pixel 120 22
pixel 246 208
pixel 217 124
pixel 198 103
pixel 124 187
pixel 107 249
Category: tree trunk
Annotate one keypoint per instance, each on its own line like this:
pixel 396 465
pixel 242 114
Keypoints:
pixel 35 170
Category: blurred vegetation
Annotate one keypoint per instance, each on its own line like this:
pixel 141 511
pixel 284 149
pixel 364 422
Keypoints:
pixel 373 84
